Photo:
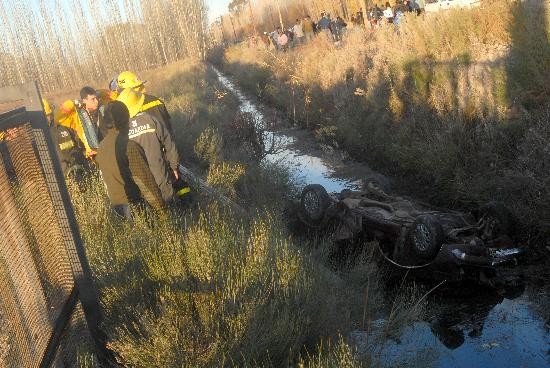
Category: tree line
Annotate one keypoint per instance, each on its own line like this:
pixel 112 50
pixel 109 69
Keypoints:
pixel 63 42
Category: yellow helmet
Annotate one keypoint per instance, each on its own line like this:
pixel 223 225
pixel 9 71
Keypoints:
pixel 132 99
pixel 47 108
pixel 128 79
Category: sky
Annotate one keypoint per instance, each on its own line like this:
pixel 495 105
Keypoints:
pixel 216 8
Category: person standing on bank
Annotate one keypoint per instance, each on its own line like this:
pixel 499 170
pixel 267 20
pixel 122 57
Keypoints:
pixel 93 111
pixel 157 143
pixel 151 104
pixel 307 26
pixel 298 32
pixel 388 13
pixel 124 167
pixel 69 148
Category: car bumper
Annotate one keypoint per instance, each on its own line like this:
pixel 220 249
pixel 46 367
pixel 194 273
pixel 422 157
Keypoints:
pixel 475 255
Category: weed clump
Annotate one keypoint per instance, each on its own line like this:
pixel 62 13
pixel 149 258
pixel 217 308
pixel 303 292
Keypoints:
pixel 208 146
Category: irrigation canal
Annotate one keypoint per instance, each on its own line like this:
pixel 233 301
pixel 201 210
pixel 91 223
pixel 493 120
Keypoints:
pixel 483 329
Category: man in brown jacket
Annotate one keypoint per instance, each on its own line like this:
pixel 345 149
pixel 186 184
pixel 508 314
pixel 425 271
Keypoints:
pixel 307 27
pixel 124 167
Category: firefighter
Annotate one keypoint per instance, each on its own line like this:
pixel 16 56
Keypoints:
pixel 67 115
pixel 151 104
pixel 69 148
pixel 124 166
pixel 160 150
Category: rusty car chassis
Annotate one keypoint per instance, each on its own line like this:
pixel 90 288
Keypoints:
pixel 441 243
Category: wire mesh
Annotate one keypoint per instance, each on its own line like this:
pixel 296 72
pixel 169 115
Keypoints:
pixel 76 348
pixel 36 277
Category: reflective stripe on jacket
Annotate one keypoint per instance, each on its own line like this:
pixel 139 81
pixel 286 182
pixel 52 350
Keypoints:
pixel 155 107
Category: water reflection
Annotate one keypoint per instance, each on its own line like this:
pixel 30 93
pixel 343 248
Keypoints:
pixel 458 318
pixel 305 168
pixel 482 330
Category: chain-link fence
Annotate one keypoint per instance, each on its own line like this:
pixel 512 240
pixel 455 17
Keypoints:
pixel 48 305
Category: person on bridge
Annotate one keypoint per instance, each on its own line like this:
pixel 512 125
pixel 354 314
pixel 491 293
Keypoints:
pixel 124 166
pixel 147 131
pixel 151 104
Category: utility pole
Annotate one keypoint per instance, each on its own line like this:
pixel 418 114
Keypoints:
pixel 252 16
pixel 221 28
pixel 280 16
pixel 232 26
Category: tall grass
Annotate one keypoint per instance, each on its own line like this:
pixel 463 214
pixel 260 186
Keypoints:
pixel 207 291
pixel 66 42
pixel 449 100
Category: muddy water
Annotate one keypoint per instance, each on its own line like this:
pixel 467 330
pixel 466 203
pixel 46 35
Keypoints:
pixel 306 168
pixel 483 329
pixel 476 331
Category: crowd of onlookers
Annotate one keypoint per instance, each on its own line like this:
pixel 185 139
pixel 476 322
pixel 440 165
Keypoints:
pixel 306 28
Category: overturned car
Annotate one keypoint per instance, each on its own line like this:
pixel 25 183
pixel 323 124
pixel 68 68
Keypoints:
pixel 440 243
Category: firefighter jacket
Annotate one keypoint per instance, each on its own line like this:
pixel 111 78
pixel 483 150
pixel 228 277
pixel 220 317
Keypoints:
pixel 155 107
pixel 70 149
pixel 86 126
pixel 160 150
pixel 125 171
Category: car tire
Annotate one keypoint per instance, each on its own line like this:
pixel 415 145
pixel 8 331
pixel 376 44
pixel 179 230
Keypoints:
pixel 501 215
pixel 426 237
pixel 314 202
pixel 377 181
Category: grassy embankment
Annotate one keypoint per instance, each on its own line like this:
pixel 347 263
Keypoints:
pixel 212 288
pixel 454 102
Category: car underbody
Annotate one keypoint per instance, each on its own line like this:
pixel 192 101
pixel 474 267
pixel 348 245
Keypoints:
pixel 440 243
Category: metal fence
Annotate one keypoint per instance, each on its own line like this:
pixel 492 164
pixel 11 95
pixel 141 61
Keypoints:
pixel 48 305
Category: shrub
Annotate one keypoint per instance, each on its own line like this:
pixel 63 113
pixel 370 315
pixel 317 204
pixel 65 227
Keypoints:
pixel 209 146
pixel 225 175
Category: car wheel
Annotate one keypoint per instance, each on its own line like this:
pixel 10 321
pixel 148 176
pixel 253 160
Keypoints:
pixel 498 220
pixel 426 237
pixel 377 182
pixel 314 202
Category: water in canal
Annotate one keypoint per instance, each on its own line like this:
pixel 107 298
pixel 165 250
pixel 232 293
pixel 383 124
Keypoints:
pixel 481 330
